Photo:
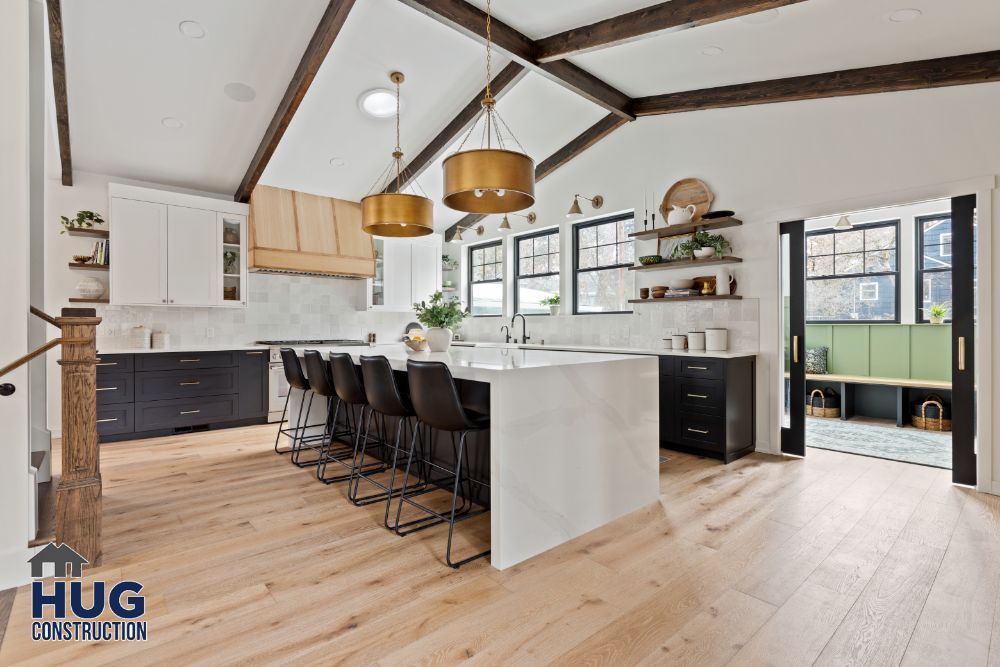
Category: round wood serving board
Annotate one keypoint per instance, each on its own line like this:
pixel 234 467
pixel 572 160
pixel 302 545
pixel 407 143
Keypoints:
pixel 684 192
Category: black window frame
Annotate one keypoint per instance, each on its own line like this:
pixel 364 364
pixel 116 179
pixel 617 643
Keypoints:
pixel 918 272
pixel 576 259
pixel 482 246
pixel 516 241
pixel 895 224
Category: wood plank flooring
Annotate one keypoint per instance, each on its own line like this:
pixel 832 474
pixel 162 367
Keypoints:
pixel 832 560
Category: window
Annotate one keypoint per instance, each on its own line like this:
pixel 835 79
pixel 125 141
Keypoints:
pixel 486 279
pixel 602 253
pixel 536 271
pixel 933 264
pixel 853 276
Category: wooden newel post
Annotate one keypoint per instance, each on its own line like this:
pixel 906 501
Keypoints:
pixel 78 496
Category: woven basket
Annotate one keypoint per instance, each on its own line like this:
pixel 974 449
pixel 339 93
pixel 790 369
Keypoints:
pixel 821 410
pixel 926 423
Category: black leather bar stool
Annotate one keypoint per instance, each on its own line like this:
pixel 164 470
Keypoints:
pixel 353 404
pixel 385 400
pixel 438 406
pixel 318 371
pixel 296 380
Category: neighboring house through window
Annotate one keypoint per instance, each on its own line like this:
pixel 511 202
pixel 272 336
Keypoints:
pixel 536 271
pixel 933 270
pixel 486 279
pixel 602 253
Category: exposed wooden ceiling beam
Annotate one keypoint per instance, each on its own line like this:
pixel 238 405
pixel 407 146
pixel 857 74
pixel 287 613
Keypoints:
pixel 471 21
pixel 577 145
pixel 936 73
pixel 57 55
pixel 502 82
pixel 326 32
pixel 647 22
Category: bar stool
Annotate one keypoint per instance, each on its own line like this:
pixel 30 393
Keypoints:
pixel 385 400
pixel 351 395
pixel 322 385
pixel 438 406
pixel 296 380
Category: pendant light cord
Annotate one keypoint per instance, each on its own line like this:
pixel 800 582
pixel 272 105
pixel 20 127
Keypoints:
pixel 398 153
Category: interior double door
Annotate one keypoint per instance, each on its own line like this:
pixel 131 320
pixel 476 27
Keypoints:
pixel 963 363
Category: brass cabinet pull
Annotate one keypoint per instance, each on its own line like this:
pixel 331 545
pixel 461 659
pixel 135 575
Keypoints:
pixel 961 353
pixel 107 363
pixel 697 430
pixel 697 396
pixel 106 388
pixel 190 412
pixel 255 353
pixel 189 361
pixel 105 421
pixel 188 384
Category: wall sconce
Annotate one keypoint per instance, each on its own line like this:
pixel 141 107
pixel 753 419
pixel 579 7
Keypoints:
pixel 597 201
pixel 505 223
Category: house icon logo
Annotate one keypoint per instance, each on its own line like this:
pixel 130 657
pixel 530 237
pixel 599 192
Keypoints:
pixel 63 556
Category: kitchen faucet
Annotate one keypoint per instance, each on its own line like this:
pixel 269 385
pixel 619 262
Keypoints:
pixel 507 332
pixel 524 328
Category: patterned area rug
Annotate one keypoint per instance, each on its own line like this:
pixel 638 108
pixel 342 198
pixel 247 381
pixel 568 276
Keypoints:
pixel 885 442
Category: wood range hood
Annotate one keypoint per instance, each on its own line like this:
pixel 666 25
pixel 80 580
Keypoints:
pixel 300 233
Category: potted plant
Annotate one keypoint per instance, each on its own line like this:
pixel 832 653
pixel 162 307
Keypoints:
pixel 552 302
pixel 83 220
pixel 439 316
pixel 709 245
pixel 448 264
pixel 231 262
pixel 937 313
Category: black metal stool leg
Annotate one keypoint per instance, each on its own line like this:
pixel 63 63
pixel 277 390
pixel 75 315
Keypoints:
pixel 454 496
pixel 284 419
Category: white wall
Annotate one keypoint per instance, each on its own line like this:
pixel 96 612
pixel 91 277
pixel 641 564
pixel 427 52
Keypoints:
pixel 799 160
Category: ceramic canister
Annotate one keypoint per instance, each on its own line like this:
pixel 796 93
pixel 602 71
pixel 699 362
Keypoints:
pixel 680 341
pixel 668 343
pixel 696 340
pixel 716 340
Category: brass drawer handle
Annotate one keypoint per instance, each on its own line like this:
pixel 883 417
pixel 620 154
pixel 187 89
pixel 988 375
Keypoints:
pixel 189 361
pixel 254 353
pixel 188 384
pixel 698 368
pixel 105 421
pixel 697 396
pixel 107 388
pixel 697 430
pixel 190 412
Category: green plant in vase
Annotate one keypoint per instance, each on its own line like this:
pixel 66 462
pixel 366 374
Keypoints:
pixel 231 262
pixel 937 313
pixel 82 220
pixel 553 302
pixel 440 316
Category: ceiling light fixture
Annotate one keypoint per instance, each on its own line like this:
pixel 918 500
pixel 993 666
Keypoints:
pixel 597 201
pixel 489 179
pixel 394 213
pixel 337 162
pixel 844 223
pixel 172 123
pixel 712 51
pixel 905 15
pixel 379 102
pixel 239 92
pixel 191 29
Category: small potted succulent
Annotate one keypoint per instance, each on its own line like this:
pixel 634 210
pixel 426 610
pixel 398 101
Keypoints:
pixel 702 245
pixel 937 313
pixel 440 317
pixel 83 220
pixel 552 302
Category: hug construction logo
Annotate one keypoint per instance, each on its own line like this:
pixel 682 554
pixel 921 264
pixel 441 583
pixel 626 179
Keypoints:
pixel 80 621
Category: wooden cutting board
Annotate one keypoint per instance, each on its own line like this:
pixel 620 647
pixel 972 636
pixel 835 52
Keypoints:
pixel 685 192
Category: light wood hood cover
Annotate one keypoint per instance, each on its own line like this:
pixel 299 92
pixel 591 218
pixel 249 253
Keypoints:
pixel 296 232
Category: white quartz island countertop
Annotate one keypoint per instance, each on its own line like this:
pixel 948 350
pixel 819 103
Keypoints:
pixel 573 438
pixel 659 352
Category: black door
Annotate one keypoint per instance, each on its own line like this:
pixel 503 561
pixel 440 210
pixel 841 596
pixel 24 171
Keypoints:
pixel 963 329
pixel 793 269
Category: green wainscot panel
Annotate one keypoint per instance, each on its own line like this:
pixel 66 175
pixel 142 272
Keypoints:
pixel 889 350
pixel 819 335
pixel 849 354
pixel 930 352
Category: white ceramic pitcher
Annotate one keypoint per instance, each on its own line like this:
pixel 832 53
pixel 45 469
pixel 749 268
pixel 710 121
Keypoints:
pixel 723 280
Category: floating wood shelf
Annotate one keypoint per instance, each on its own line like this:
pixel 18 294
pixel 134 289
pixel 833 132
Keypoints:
pixel 96 267
pixel 92 233
pixel 683 230
pixel 77 299
pixel 668 299
pixel 687 264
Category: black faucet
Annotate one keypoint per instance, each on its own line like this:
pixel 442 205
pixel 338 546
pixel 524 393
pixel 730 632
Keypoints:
pixel 524 328
pixel 508 331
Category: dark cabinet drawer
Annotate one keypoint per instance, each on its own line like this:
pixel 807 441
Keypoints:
pixel 114 388
pixel 115 419
pixel 154 415
pixel 667 365
pixel 253 367
pixel 114 363
pixel 705 396
pixel 701 367
pixel 171 361
pixel 701 431
pixel 159 385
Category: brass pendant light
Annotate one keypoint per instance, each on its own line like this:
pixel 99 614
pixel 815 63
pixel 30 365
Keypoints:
pixel 396 213
pixel 492 178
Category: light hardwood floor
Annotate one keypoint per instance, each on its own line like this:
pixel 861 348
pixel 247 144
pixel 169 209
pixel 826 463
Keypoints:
pixel 832 560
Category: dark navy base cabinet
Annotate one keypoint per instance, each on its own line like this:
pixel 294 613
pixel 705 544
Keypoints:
pixel 153 394
pixel 707 406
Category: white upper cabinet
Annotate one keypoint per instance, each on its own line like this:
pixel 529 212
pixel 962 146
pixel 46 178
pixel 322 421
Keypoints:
pixel 173 249
pixel 406 271
pixel 425 270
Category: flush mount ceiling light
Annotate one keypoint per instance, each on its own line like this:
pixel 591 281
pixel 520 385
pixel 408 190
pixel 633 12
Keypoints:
pixel 337 162
pixel 712 51
pixel 905 15
pixel 492 178
pixel 378 102
pixel 759 18
pixel 172 123
pixel 391 212
pixel 191 29
pixel 239 92
pixel 597 201
pixel 843 223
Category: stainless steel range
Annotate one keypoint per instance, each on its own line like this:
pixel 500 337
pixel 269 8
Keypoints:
pixel 277 385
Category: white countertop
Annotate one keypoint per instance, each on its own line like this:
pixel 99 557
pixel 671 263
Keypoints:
pixel 104 348
pixel 610 350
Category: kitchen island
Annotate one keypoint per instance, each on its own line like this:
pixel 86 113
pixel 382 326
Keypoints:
pixel 573 440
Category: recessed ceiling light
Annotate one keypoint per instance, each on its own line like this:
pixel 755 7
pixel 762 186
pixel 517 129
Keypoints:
pixel 378 102
pixel 239 92
pixel 191 29
pixel 712 51
pixel 905 15
pixel 760 17
pixel 172 123
pixel 337 162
